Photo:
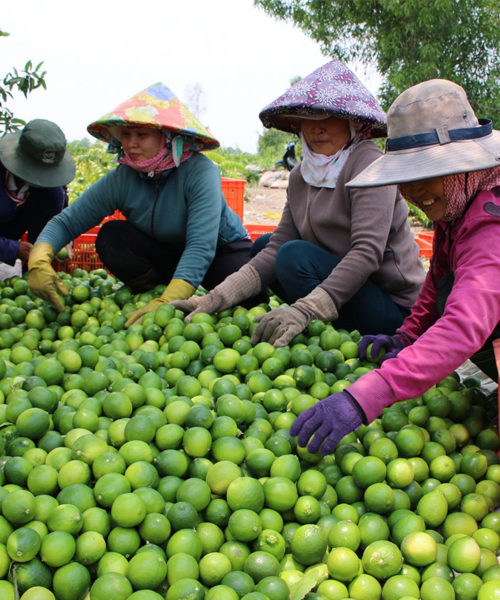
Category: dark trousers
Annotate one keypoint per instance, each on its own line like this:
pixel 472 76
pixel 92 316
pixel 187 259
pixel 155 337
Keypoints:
pixel 301 266
pixel 143 262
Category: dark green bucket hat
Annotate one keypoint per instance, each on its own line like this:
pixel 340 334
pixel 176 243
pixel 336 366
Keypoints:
pixel 37 154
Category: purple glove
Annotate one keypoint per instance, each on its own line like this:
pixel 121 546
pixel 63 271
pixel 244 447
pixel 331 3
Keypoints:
pixel 390 343
pixel 330 420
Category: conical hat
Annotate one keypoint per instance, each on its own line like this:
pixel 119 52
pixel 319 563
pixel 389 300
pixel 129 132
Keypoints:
pixel 157 107
pixel 331 91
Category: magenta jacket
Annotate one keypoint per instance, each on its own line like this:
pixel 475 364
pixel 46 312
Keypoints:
pixel 437 346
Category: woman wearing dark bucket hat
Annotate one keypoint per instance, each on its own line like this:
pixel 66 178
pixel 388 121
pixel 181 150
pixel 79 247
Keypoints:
pixel 34 168
pixel 446 162
pixel 337 254
pixel 179 230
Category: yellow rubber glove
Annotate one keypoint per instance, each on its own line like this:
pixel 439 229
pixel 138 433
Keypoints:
pixel 43 280
pixel 177 289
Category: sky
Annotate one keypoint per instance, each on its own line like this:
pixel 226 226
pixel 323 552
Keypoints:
pixel 99 53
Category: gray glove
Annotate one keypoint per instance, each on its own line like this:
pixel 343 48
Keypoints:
pixel 280 326
pixel 239 286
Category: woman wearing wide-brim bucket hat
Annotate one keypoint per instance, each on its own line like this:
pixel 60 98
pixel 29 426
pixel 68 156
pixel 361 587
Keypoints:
pixel 446 162
pixel 35 165
pixel 179 231
pixel 333 255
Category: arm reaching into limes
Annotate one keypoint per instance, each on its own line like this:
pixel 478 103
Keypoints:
pixel 280 326
pixel 177 289
pixel 329 420
pixel 391 345
pixel 239 286
pixel 43 280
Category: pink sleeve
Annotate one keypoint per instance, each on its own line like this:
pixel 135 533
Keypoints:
pixel 423 314
pixel 471 314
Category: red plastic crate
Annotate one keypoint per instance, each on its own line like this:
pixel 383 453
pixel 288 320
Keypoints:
pixel 256 231
pixel 116 216
pixel 84 255
pixel 425 247
pixel 234 192
pixel 428 236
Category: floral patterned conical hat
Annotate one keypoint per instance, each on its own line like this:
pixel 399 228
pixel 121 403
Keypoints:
pixel 159 108
pixel 331 91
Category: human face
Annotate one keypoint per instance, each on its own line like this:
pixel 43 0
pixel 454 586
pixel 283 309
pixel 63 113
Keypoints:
pixel 140 143
pixel 327 136
pixel 428 195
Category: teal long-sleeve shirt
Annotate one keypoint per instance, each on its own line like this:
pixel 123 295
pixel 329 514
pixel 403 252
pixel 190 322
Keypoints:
pixel 184 208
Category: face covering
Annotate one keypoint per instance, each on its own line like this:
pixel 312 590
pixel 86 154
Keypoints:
pixel 166 158
pixel 319 170
pixel 459 190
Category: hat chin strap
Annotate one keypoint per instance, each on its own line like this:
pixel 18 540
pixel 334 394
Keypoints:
pixel 441 135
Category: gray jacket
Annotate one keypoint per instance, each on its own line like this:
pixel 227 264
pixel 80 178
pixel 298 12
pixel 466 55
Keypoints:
pixel 367 228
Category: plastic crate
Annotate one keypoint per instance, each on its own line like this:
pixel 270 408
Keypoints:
pixel 116 216
pixel 428 236
pixel 425 248
pixel 84 255
pixel 234 192
pixel 256 231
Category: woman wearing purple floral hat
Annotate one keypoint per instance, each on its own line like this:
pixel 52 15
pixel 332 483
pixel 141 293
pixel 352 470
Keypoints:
pixel 338 254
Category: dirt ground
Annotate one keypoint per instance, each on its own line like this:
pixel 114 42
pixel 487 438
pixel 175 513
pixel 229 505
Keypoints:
pixel 265 205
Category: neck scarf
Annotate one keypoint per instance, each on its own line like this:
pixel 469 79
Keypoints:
pixel 321 171
pixel 459 190
pixel 165 159
pixel 17 195
pixel 457 196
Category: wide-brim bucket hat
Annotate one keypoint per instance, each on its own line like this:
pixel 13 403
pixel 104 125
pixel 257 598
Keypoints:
pixel 37 154
pixel 330 91
pixel 156 107
pixel 432 132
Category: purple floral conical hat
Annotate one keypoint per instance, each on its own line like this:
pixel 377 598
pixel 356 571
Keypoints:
pixel 331 91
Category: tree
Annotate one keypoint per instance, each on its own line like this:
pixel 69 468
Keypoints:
pixel 272 142
pixel 409 41
pixel 195 99
pixel 24 81
pixel 92 163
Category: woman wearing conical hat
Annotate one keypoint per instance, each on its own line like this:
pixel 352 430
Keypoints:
pixel 179 230
pixel 445 161
pixel 340 255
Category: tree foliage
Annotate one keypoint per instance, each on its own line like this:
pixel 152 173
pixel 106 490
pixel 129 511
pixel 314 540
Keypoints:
pixel 409 41
pixel 25 81
pixel 272 142
pixel 92 162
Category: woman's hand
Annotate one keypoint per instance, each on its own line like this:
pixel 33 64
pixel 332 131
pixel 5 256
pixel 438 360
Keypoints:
pixel 175 290
pixel 239 286
pixel 279 326
pixel 23 252
pixel 210 303
pixel 43 280
pixel 329 420
pixel 391 345
pixel 67 258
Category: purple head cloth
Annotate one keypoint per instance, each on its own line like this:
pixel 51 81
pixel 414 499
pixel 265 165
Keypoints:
pixel 332 90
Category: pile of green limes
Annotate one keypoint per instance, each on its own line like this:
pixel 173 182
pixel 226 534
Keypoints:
pixel 156 462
